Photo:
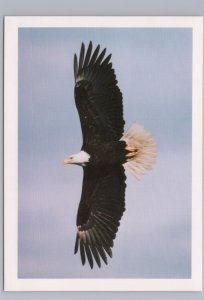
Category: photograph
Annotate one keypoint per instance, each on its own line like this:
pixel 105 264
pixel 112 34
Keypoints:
pixel 105 159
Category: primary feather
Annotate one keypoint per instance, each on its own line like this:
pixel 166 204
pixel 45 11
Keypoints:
pixel 98 98
pixel 101 208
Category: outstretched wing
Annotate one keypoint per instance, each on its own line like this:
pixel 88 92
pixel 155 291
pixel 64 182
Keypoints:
pixel 97 96
pixel 100 210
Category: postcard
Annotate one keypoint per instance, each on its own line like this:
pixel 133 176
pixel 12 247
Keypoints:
pixel 103 153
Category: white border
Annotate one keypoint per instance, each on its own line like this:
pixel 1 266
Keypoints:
pixel 11 282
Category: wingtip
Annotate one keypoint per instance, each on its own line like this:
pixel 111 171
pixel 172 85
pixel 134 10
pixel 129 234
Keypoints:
pixel 76 244
pixel 82 45
pixel 91 266
pixel 75 66
pixel 75 57
pixel 82 251
pixel 107 60
pixel 83 262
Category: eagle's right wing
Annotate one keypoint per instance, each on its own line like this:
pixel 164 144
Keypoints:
pixel 100 210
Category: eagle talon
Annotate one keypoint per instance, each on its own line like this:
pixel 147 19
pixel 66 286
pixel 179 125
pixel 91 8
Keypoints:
pixel 132 151
pixel 130 148
pixel 131 154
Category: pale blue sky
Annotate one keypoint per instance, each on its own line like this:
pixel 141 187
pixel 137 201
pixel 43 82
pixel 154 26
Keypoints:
pixel 153 68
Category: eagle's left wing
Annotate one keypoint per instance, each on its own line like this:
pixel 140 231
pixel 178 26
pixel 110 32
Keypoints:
pixel 97 96
pixel 100 210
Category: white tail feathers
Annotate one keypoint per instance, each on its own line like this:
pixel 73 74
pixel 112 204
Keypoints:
pixel 142 150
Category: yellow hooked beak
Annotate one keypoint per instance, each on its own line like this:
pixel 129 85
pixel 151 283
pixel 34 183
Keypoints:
pixel 67 161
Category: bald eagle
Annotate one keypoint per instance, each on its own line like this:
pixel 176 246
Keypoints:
pixel 105 152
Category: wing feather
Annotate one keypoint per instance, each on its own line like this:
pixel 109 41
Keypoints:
pixel 76 244
pixel 101 56
pixel 89 237
pixel 93 239
pixel 88 55
pixel 81 58
pixel 75 66
pixel 96 255
pixel 97 96
pixel 109 234
pixel 89 255
pixel 83 257
pixel 102 254
pixel 101 208
pixel 106 61
pixel 94 56
pixel 104 222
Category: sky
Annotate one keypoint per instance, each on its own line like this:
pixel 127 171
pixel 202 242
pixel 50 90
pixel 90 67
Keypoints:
pixel 153 69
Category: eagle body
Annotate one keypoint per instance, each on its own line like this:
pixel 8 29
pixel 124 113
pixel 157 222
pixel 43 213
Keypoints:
pixel 105 153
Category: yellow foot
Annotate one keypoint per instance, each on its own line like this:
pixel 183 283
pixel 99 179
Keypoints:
pixel 131 151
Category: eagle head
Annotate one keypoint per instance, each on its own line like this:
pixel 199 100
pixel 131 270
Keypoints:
pixel 81 158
